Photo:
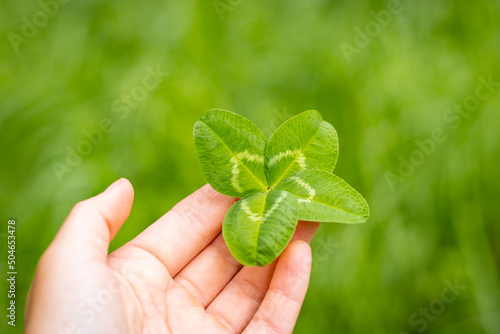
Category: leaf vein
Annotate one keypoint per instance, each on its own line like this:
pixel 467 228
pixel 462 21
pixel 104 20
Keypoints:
pixel 235 156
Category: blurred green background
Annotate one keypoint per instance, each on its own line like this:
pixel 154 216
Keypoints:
pixel 436 221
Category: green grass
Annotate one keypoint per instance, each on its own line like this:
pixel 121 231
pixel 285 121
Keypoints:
pixel 269 60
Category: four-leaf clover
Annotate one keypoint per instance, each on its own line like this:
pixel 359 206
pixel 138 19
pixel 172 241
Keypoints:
pixel 280 181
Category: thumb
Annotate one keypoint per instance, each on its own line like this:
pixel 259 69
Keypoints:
pixel 94 222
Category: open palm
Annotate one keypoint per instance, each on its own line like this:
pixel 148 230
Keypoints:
pixel 177 276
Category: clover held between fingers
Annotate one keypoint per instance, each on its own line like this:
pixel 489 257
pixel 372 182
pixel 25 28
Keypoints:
pixel 280 181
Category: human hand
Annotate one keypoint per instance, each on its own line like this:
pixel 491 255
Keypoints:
pixel 177 276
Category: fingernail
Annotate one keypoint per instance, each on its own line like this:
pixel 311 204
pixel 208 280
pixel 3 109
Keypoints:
pixel 114 184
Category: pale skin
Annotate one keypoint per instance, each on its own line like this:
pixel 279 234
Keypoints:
pixel 177 276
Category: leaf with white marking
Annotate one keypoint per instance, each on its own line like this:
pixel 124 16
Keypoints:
pixel 258 228
pixel 326 198
pixel 305 141
pixel 231 153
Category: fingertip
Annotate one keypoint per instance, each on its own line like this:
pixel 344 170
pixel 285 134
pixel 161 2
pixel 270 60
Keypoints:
pixel 124 187
pixel 208 187
pixel 306 230
pixel 127 187
pixel 204 196
pixel 302 244
pixel 94 222
pixel 207 191
pixel 300 249
pixel 121 183
pixel 297 259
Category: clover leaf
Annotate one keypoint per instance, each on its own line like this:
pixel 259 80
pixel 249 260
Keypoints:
pixel 303 142
pixel 231 153
pixel 279 182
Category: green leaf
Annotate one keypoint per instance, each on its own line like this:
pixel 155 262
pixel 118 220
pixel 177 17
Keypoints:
pixel 258 228
pixel 231 153
pixel 326 198
pixel 303 142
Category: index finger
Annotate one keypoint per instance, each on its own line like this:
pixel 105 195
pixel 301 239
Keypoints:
pixel 183 232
